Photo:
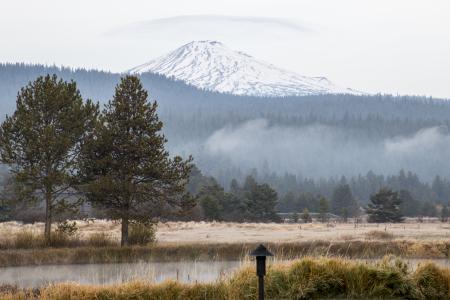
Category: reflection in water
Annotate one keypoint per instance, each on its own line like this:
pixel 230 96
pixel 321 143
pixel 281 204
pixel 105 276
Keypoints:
pixel 189 271
pixel 35 276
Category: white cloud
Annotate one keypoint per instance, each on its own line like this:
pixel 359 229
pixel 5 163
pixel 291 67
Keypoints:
pixel 185 24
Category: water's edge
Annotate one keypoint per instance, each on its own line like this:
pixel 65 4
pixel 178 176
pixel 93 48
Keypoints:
pixel 100 274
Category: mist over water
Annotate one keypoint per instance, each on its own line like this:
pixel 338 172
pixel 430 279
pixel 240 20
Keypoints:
pixel 187 272
pixel 320 151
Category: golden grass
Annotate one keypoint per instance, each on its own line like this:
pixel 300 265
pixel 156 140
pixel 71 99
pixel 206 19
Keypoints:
pixel 206 252
pixel 308 278
pixel 31 239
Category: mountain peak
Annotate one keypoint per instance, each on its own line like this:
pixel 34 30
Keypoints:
pixel 206 42
pixel 211 65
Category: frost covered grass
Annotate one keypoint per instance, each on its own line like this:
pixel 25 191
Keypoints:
pixel 307 278
pixel 219 232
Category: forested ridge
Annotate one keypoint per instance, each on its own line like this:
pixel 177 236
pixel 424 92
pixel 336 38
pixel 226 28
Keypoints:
pixel 194 120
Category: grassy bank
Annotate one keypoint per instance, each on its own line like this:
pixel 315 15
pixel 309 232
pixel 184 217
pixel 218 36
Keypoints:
pixel 307 278
pixel 197 251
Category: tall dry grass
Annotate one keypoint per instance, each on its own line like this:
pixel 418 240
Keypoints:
pixel 308 278
pixel 100 251
pixel 30 239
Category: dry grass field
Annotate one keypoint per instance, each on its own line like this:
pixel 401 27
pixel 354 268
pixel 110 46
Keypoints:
pixel 98 242
pixel 191 232
pixel 218 232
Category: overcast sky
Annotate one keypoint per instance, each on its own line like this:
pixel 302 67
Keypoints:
pixel 400 46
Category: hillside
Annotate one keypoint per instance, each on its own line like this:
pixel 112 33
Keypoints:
pixel 315 136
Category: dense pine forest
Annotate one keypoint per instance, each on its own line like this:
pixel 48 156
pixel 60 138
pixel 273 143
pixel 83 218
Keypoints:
pixel 303 147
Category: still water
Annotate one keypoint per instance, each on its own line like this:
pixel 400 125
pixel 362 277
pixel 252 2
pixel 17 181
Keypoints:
pixel 35 276
pixel 185 271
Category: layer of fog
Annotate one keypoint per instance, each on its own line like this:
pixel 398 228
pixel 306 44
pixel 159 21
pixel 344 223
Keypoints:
pixel 317 151
pixel 98 274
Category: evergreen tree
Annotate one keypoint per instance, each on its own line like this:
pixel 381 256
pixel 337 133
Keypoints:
pixel 295 217
pixel 249 184
pixel 306 217
pixel 384 207
pixel 343 198
pixel 287 203
pixel 344 215
pixel 309 201
pixel 428 209
pixel 323 209
pixel 126 168
pixel 260 200
pixel 211 196
pixel 409 206
pixel 440 188
pixel 236 198
pixel 227 206
pixel 5 198
pixel 445 213
pixel 41 143
pixel 197 181
pixel 211 208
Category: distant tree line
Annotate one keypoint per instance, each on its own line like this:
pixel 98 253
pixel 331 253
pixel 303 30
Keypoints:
pixel 420 197
pixel 252 201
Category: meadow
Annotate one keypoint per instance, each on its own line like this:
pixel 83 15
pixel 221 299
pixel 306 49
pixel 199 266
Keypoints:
pixel 217 232
pixel 98 242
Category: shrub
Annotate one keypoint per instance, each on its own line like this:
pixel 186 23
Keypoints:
pixel 141 234
pixel 66 228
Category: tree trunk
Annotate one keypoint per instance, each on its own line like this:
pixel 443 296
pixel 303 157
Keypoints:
pixel 124 238
pixel 48 215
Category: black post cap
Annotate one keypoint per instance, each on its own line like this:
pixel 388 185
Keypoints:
pixel 261 251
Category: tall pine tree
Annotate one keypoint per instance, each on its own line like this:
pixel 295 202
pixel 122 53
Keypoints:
pixel 343 199
pixel 41 142
pixel 384 207
pixel 260 200
pixel 323 209
pixel 126 168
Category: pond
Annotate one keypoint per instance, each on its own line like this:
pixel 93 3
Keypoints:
pixel 184 271
pixel 35 276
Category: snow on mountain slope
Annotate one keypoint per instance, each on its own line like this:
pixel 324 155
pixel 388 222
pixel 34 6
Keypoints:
pixel 210 65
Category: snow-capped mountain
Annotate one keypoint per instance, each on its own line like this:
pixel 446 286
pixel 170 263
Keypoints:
pixel 210 65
